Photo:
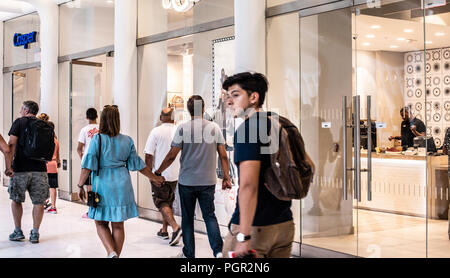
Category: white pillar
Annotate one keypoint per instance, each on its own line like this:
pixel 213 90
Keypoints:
pixel 250 32
pixel 125 64
pixel 49 40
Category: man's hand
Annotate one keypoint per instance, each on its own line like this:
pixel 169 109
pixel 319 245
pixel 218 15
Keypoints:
pixel 242 249
pixel 158 181
pixel 226 184
pixel 413 128
pixel 9 173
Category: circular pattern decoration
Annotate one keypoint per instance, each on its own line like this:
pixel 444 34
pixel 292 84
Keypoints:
pixel 447 91
pixel 409 69
pixel 436 67
pixel 418 57
pixel 428 68
pixel 436 55
pixel 437 141
pixel 446 54
pixel 410 93
pixel 447 66
pixel 418 106
pixel 418 93
pixel 428 131
pixel 437 117
pixel 428 117
pixel 418 69
pixel 428 106
pixel 428 56
pixel 437 106
pixel 409 58
pixel 427 92
pixel 436 81
pixel 447 105
pixel 447 80
pixel 437 130
pixel 447 117
pixel 409 82
pixel 436 92
pixel 428 82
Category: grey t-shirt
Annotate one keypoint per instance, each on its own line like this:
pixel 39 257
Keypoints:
pixel 198 140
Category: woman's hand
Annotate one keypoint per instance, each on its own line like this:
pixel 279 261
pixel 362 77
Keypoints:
pixel 157 180
pixel 81 194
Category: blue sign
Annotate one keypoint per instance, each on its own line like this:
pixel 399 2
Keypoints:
pixel 24 40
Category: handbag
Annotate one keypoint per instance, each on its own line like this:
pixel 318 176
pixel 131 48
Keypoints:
pixel 93 197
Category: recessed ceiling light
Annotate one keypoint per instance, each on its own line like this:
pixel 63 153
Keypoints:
pixel 370 36
pixel 401 39
pixel 408 30
pixel 428 42
pixel 375 26
pixel 394 46
pixel 110 1
pixel 439 34
pixel 366 43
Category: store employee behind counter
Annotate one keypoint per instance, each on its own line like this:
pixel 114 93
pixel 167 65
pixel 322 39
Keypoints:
pixel 411 127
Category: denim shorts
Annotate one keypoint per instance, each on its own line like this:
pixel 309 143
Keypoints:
pixel 35 182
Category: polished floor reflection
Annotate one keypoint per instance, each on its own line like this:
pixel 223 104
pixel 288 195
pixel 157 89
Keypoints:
pixel 385 235
pixel 67 235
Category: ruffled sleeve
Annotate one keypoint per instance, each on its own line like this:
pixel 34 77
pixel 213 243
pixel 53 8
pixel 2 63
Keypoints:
pixel 134 162
pixel 90 160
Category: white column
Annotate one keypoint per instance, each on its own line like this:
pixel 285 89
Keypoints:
pixel 250 32
pixel 49 40
pixel 125 64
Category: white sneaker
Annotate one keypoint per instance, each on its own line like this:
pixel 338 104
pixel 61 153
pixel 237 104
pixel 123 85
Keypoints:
pixel 179 256
pixel 219 255
pixel 113 255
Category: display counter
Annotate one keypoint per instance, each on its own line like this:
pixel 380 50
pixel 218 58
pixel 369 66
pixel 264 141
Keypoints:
pixel 399 184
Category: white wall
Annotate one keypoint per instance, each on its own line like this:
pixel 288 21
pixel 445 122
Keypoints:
pixel 85 27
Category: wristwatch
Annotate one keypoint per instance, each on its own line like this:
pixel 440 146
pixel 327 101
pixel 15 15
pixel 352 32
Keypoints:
pixel 242 238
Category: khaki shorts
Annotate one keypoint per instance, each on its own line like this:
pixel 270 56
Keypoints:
pixel 35 182
pixel 164 196
pixel 274 241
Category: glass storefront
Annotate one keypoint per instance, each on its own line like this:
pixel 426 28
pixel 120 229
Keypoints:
pixel 25 86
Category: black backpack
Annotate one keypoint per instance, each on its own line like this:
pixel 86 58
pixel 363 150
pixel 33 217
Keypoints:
pixel 38 141
pixel 290 173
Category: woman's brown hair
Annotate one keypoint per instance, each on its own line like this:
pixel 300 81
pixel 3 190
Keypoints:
pixel 110 121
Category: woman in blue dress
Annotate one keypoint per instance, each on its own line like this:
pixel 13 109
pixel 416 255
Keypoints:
pixel 117 157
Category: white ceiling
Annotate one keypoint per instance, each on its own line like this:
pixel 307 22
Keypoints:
pixel 391 36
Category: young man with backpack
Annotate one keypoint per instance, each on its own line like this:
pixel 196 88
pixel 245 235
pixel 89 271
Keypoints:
pixel 31 143
pixel 261 221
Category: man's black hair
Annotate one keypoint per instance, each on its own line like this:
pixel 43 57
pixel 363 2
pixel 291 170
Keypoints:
pixel 91 114
pixel 250 82
pixel 194 107
pixel 33 107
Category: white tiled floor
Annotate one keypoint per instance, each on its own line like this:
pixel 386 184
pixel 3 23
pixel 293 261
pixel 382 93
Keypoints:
pixel 67 235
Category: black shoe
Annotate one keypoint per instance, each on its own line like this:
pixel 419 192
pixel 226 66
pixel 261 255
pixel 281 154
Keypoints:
pixel 175 237
pixel 163 235
pixel 34 237
pixel 16 236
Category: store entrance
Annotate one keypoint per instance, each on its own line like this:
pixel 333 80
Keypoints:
pixel 374 115
pixel 91 87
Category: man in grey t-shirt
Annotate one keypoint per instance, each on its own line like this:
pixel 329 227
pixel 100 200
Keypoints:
pixel 198 140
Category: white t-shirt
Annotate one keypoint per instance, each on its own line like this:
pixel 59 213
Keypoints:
pixel 86 135
pixel 158 145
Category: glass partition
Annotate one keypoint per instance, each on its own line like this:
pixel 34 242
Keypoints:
pixel 26 86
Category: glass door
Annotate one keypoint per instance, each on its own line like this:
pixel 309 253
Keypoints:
pixel 91 87
pixel 395 108
pixel 329 212
pixel 437 59
pixel 26 86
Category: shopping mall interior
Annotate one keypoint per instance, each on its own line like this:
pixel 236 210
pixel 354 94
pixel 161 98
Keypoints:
pixel 330 64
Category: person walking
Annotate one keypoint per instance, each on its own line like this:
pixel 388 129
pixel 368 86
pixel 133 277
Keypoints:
pixel 84 139
pixel 156 148
pixel 26 173
pixel 112 155
pixel 198 141
pixel 52 171
pixel 260 222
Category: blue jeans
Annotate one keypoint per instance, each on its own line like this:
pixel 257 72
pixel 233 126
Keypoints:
pixel 188 199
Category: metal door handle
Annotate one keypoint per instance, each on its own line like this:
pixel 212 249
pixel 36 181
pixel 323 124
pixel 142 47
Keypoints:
pixel 357 146
pixel 344 138
pixel 369 150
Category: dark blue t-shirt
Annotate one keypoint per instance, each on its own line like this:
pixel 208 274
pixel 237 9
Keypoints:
pixel 248 140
